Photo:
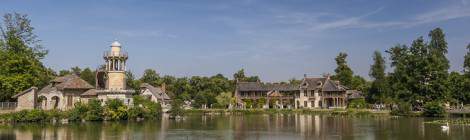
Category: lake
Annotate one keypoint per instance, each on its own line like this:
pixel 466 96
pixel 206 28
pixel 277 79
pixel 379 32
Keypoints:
pixel 239 127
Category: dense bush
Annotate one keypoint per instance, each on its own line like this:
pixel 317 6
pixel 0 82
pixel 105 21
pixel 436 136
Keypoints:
pixel 78 112
pixel 401 109
pixel 433 109
pixel 95 111
pixel 357 103
pixel 176 109
pixel 115 110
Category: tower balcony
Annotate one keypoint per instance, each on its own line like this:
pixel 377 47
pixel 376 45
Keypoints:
pixel 110 54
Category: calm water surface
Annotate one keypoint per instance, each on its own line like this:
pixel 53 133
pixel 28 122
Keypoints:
pixel 239 127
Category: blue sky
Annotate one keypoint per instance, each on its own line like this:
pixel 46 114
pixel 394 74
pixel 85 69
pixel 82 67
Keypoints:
pixel 275 39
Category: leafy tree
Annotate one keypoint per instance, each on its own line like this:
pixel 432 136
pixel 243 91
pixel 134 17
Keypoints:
pixel 438 67
pixel 458 86
pixel 64 72
pixel 240 76
pixel 88 75
pixel 76 70
pixel 151 77
pixel 343 73
pixel 466 64
pixel 132 83
pixel 224 99
pixel 379 88
pixel 20 53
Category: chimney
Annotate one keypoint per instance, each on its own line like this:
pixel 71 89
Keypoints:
pixel 305 75
pixel 164 88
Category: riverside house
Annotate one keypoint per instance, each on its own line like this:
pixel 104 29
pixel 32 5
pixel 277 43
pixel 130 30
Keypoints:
pixel 313 92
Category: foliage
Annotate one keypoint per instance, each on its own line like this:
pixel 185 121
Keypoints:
pixel 20 53
pixel 433 109
pixel 78 112
pixel 176 109
pixel 248 103
pixel 115 110
pixel 240 76
pixel 224 99
pixel 343 73
pixel 95 111
pixel 260 102
pixel 357 103
pixel 378 92
pixel 88 75
pixel 151 77
pixel 145 107
pixel 420 71
pixel 401 109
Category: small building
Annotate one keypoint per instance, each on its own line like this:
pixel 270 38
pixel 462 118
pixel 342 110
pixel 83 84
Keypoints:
pixel 155 94
pixel 316 92
pixel 26 99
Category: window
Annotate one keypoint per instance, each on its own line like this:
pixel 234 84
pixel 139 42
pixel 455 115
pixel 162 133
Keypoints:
pixel 69 101
pixel 305 103
pixel 312 104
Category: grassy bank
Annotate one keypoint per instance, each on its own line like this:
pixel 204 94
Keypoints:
pixel 357 112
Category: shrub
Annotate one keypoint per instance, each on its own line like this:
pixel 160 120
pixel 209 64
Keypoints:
pixel 78 112
pixel 95 111
pixel 433 109
pixel 135 112
pixel 401 109
pixel 176 109
pixel 357 103
pixel 115 110
pixel 35 115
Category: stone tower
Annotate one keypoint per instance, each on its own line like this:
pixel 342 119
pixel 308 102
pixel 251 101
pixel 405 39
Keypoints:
pixel 115 67
pixel 111 80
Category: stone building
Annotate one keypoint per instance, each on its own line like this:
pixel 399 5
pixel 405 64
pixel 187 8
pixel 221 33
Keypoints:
pixel 319 92
pixel 26 99
pixel 63 92
pixel 155 94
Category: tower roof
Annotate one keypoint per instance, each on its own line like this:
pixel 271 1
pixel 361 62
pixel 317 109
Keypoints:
pixel 115 44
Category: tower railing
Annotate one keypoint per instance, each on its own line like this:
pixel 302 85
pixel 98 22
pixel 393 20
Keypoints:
pixel 114 54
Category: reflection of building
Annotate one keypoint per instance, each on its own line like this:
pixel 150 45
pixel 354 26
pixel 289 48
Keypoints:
pixel 311 93
pixel 63 92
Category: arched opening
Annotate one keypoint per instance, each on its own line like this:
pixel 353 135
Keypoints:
pixel 55 102
pixel 42 102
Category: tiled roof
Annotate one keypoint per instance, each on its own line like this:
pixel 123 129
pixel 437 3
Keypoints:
pixel 156 91
pixel 313 83
pixel 90 92
pixel 25 91
pixel 332 86
pixel 71 82
pixel 257 86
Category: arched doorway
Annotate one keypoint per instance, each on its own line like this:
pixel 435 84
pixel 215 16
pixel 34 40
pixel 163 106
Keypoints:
pixel 55 102
pixel 42 102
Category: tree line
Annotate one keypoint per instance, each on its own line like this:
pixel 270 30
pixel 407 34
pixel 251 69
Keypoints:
pixel 418 73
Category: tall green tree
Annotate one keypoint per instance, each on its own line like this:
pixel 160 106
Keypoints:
pixel 241 77
pixel 151 77
pixel 88 75
pixel 466 63
pixel 379 88
pixel 343 73
pixel 436 82
pixel 20 53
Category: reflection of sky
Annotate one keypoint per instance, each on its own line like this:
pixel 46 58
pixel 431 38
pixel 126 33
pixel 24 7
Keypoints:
pixel 277 40
pixel 238 127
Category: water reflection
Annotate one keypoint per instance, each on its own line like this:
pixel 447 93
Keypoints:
pixel 272 127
